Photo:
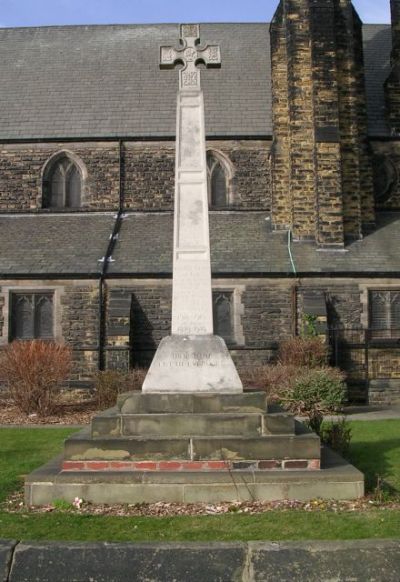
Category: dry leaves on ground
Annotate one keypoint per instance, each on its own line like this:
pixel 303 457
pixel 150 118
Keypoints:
pixel 65 414
pixel 15 504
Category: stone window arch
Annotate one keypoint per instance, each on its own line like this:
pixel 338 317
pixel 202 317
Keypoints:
pixel 219 174
pixel 63 181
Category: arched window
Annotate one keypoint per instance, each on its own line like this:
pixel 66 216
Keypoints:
pixel 62 184
pixel 218 181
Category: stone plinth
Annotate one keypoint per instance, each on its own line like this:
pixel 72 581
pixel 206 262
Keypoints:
pixel 192 364
pixel 192 447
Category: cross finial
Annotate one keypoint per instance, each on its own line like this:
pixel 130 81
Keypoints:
pixel 190 55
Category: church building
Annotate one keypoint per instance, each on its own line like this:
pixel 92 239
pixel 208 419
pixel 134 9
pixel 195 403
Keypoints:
pixel 303 154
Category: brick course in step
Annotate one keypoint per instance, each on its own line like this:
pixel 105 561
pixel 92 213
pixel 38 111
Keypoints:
pixel 313 464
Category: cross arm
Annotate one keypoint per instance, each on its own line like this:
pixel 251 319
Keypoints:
pixel 210 55
pixel 169 57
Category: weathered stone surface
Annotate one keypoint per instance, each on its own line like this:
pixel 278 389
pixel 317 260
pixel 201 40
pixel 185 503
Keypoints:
pixel 139 403
pixel 306 446
pixel 82 447
pixel 279 423
pixel 199 363
pixel 170 425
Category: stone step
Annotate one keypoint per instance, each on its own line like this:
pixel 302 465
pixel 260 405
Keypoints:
pixel 139 403
pixel 337 479
pixel 81 447
pixel 109 424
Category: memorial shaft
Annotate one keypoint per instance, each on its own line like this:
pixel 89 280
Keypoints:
pixel 191 295
pixel 191 359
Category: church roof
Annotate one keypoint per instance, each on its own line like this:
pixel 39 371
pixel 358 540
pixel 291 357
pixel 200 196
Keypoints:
pixel 105 82
pixel 242 244
pixel 61 244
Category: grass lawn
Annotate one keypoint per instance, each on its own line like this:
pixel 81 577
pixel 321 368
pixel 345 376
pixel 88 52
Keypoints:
pixel 375 450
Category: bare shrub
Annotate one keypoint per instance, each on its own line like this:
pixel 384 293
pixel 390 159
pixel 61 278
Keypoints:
pixel 33 371
pixel 110 383
pixel 274 379
pixel 310 352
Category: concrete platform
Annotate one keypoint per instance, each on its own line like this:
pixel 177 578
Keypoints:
pixel 338 479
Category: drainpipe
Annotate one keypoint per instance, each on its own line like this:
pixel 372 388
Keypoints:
pixel 107 259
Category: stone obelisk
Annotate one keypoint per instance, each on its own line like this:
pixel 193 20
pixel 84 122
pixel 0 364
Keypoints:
pixel 191 359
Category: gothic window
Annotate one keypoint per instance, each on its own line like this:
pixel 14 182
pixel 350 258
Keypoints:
pixel 218 181
pixel 31 316
pixel 62 184
pixel 385 313
pixel 223 315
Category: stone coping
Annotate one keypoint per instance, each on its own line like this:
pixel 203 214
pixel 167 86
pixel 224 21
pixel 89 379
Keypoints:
pixel 314 561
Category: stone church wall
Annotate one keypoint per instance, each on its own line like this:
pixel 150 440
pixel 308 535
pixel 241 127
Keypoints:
pixel 21 168
pixel 147 172
pixel 76 318
pixel 265 312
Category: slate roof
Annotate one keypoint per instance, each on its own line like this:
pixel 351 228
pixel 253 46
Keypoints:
pixel 53 244
pixel 242 243
pixel 105 81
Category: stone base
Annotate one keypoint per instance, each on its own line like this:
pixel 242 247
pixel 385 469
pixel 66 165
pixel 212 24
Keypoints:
pixel 192 364
pixel 193 447
pixel 337 480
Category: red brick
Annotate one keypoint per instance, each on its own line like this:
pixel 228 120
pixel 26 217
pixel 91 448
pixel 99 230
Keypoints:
pixel 269 464
pixel 314 464
pixel 121 465
pixel 193 466
pixel 145 466
pixel 97 465
pixel 295 464
pixel 73 465
pixel 170 465
pixel 215 465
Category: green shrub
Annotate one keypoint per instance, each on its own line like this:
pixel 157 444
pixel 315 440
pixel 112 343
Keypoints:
pixel 274 379
pixel 337 435
pixel 110 383
pixel 316 392
pixel 309 352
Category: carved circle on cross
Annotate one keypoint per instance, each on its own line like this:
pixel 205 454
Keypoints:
pixel 190 54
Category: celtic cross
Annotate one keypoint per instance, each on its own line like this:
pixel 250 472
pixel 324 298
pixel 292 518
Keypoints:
pixel 190 55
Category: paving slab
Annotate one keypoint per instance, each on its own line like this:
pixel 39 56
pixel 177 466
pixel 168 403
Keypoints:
pixel 104 562
pixel 6 550
pixel 314 561
pixel 355 561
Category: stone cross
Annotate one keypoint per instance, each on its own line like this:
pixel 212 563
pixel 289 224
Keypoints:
pixel 191 359
pixel 192 296
pixel 190 55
